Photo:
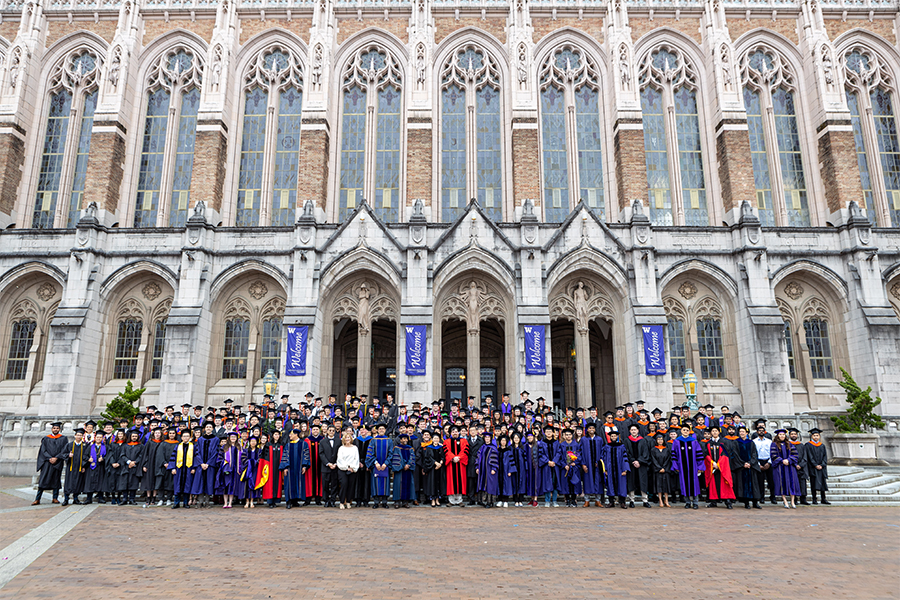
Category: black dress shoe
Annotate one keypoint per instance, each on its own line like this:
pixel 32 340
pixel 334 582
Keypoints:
pixel 756 505
pixel 696 506
pixel 630 504
pixel 646 505
pixel 76 501
pixel 805 503
pixel 826 502
pixel 375 505
pixel 687 505
pixel 65 502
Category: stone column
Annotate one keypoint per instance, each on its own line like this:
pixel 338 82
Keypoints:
pixel 208 174
pixel 363 343
pixel 583 364
pixel 473 361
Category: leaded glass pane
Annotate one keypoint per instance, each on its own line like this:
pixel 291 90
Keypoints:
pixel 819 345
pixel 488 139
pixel 51 160
pixel 128 343
pixel 387 155
pixel 888 148
pixel 152 158
pixel 237 344
pixel 287 157
pixel 656 154
pixel 709 340
pixel 184 158
pixel 353 145
pixel 253 140
pixel 791 158
pixel 20 341
pixel 556 165
pixel 690 158
pixel 867 199
pixel 789 344
pixel 81 158
pixel 677 359
pixel 159 349
pixel 270 353
pixel 758 157
pixel 590 156
pixel 453 153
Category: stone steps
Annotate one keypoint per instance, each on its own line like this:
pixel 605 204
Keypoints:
pixel 863 486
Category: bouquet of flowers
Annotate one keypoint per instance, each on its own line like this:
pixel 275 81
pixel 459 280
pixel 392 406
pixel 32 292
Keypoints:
pixel 571 457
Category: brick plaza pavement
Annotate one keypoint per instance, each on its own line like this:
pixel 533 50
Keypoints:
pixel 423 553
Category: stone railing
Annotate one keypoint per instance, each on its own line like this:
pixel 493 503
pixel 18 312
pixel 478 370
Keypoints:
pixel 20 439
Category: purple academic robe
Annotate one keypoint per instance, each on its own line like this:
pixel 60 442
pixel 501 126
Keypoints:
pixel 687 462
pixel 543 471
pixel 591 449
pixel 249 464
pixel 184 478
pixel 206 451
pixel 488 460
pixel 228 476
pixel 785 475
pixel 570 480
pixel 616 460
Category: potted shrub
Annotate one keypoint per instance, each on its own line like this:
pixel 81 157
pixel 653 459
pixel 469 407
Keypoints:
pixel 854 441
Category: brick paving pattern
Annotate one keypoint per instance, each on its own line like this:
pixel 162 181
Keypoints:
pixel 471 553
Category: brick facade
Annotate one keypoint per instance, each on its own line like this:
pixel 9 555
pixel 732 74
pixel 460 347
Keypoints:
pixel 12 153
pixel 837 162
pixel 526 157
pixel 631 165
pixel 154 28
pixel 349 27
pixel 689 26
pixel 444 26
pixel 418 163
pixel 312 183
pixel 59 29
pixel 104 171
pixel 735 172
pixel 208 175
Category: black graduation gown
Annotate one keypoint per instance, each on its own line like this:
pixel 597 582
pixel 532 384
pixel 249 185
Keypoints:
pixel 75 467
pixel 114 456
pixel 51 474
pixel 802 466
pixel 362 477
pixel 426 457
pixel 130 478
pixel 637 477
pixel 95 478
pixel 743 480
pixel 148 476
pixel 474 447
pixel 661 459
pixel 817 455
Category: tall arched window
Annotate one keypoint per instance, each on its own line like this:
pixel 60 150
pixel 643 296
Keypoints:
pixel 167 144
pixel 471 133
pixel 371 130
pixel 270 353
pixel 789 346
pixel 252 334
pixel 570 133
pixel 781 194
pixel 67 140
pixel 128 342
pixel 677 357
pixel 672 143
pixel 819 344
pixel 712 353
pixel 270 139
pixel 20 340
pixel 870 92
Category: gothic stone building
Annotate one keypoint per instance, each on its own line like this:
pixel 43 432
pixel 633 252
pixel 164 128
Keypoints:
pixel 183 180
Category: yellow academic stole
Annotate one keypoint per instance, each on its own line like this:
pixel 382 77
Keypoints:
pixel 179 456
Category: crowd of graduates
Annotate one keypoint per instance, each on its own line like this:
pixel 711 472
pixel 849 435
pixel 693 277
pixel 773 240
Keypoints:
pixel 369 453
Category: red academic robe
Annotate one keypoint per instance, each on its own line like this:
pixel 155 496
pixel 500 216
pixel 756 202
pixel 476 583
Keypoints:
pixel 718 479
pixel 456 471
pixel 272 488
pixel 314 472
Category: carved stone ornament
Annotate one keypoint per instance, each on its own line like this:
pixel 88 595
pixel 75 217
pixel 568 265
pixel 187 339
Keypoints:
pixel 581 303
pixel 865 235
pixel 47 291
pixel 753 235
pixel 793 290
pixel 418 234
pixel 687 290
pixel 305 234
pixel 642 233
pixel 151 291
pixel 530 233
pixel 895 291
pixel 258 289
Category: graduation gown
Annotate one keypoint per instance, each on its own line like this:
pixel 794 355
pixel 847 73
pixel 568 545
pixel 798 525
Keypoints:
pixel 638 450
pixel 488 460
pixel 508 471
pixel 718 471
pixel 160 472
pixel 130 477
pixel 592 479
pixel 249 466
pixel 95 476
pixel 426 458
pixel 362 479
pixel 52 446
pixel 183 479
pixel 816 454
pixel 226 475
pixel 207 450
pixel 687 463
pixel 314 472
pixel 404 482
pixel 802 475
pixel 456 471
pixel 113 473
pixel 76 466
pixel 474 446
pixel 544 473
pixel 381 451
pixel 661 460
pixel 294 457
pixel 569 454
pixel 148 475
pixel 615 460
pixel 744 482
pixel 785 475
pixel 520 479
pixel 271 489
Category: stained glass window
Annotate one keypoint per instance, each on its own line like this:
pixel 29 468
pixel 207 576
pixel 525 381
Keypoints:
pixel 556 166
pixel 287 157
pixel 387 156
pixel 81 158
pixel 867 202
pixel 709 340
pixel 128 343
pixel 271 347
pixel 888 148
pixel 20 341
pixel 690 157
pixel 790 158
pixel 253 137
pixel 489 163
pixel 159 349
pixel 152 159
pixel 52 160
pixel 758 157
pixel 237 345
pixel 184 158
pixel 656 154
pixel 677 359
pixel 453 153
pixel 789 344
pixel 819 345
pixel 590 157
pixel 353 145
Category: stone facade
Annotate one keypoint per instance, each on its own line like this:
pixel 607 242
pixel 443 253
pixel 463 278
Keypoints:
pixel 297 167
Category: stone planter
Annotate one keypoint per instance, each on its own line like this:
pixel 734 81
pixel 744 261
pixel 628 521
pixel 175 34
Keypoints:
pixel 855 449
